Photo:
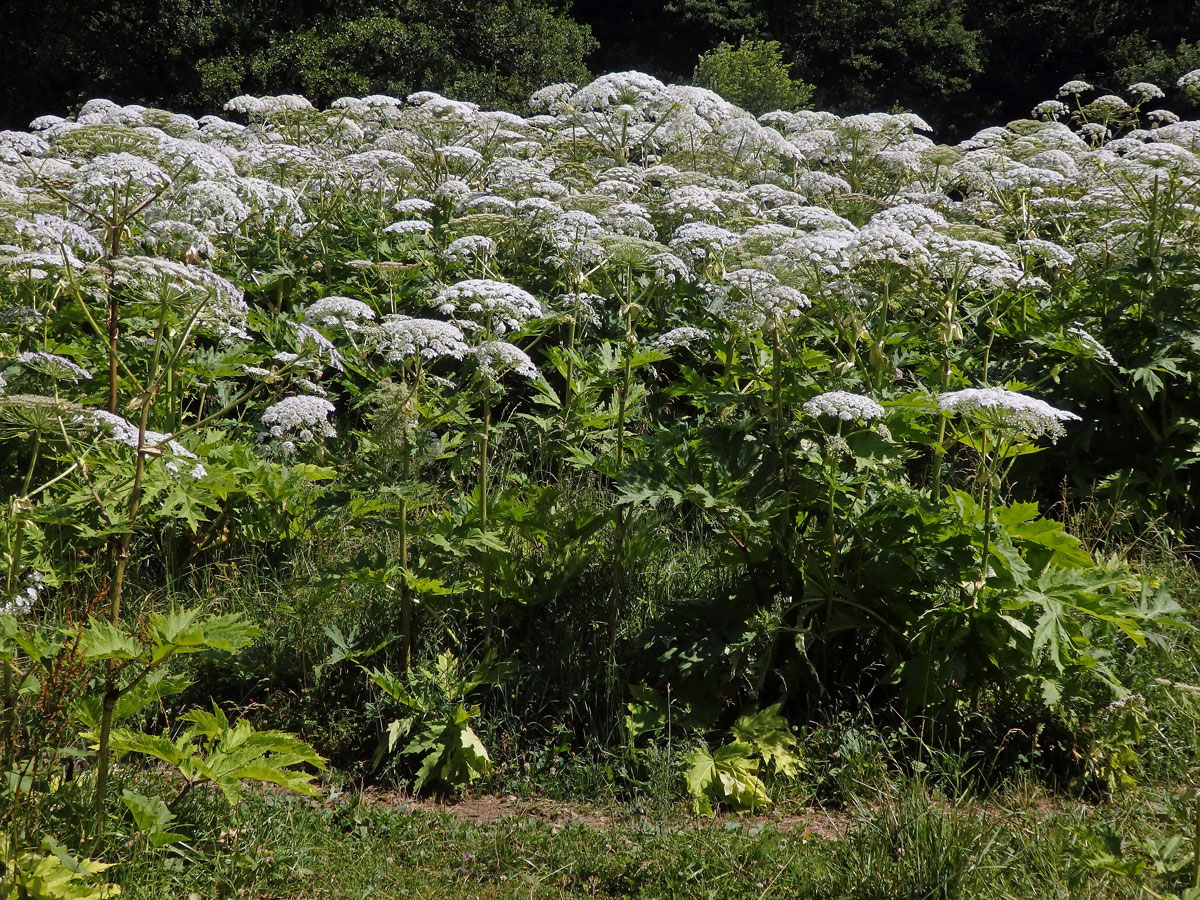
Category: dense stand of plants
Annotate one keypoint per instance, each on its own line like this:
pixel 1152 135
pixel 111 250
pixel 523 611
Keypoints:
pixel 650 413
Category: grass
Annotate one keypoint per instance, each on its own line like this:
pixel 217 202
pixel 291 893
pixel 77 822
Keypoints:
pixel 900 841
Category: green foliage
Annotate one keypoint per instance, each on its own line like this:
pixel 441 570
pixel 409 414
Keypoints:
pixel 437 723
pixel 726 776
pixel 51 873
pixel 1163 864
pixel 152 817
pixel 493 53
pixel 729 775
pixel 454 756
pixel 212 751
pixel 651 394
pixel 768 734
pixel 753 76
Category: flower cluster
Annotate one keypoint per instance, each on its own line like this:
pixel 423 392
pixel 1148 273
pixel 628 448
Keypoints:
pixel 404 338
pixel 683 336
pixel 498 358
pixel 345 312
pixel 495 306
pixel 298 420
pixel 25 597
pixel 844 405
pixel 53 365
pixel 125 432
pixel 1008 409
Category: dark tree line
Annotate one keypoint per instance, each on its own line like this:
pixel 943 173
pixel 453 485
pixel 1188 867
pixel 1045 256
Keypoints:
pixel 960 63
pixel 193 55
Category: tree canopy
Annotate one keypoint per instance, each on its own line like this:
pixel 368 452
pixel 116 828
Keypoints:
pixel 959 63
pixel 196 54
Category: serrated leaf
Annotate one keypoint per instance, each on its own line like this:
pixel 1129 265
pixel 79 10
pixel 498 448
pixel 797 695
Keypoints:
pixel 102 640
pixel 767 731
pixel 149 813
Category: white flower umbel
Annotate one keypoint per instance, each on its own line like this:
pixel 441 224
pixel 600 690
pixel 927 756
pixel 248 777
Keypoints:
pixel 583 305
pixel 1144 90
pixel 408 226
pixel 49 231
pixel 414 206
pixel 125 432
pixel 1093 346
pixel 249 105
pixel 552 98
pixel 222 308
pixel 680 337
pixel 496 305
pixel 25 597
pixel 758 301
pixel 345 312
pixel 699 240
pixel 176 238
pixel 323 350
pixel 120 171
pixel 844 405
pixel 302 419
pixel 1051 109
pixel 1162 117
pixel 1008 409
pixel 573 235
pixel 57 367
pixel 1072 88
pixel 669 268
pixel 405 338
pixel 469 248
pixel 497 358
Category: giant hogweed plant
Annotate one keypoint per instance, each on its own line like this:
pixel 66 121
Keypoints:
pixel 98 481
pixel 744 322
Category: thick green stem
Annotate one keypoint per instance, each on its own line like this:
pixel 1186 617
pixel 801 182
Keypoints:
pixel 483 513
pixel 111 691
pixel 987 540
pixel 405 589
pixel 939 449
pixel 568 395
pixel 8 703
pixel 831 518
pixel 19 504
pixel 113 333
pixel 618 580
pixel 777 386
